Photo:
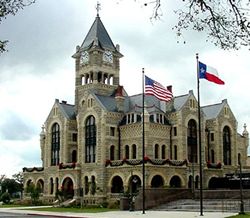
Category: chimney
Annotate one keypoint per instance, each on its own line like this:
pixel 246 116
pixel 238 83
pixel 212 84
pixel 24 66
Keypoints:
pixel 119 99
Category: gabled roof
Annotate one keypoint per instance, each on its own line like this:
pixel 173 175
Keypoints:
pixel 98 34
pixel 179 101
pixel 68 110
pixel 212 111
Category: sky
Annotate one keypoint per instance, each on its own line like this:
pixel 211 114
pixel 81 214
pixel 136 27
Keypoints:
pixel 38 67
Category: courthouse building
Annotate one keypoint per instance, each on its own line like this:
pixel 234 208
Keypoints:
pixel 94 147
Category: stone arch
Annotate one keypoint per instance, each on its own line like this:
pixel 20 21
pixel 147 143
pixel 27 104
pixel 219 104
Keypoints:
pixel 29 182
pixel 68 188
pixel 117 184
pixel 134 183
pixel 40 185
pixel 175 182
pixel 157 181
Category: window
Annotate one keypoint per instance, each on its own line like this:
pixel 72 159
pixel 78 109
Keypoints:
pixel 74 137
pixel 192 141
pixel 133 151
pixel 112 152
pixel 112 131
pixel 170 152
pixel 74 156
pixel 163 152
pixel 175 152
pixel 212 156
pixel 90 140
pixel 175 131
pixel 127 152
pixel 55 144
pixel 156 151
pixel 212 136
pixel 226 146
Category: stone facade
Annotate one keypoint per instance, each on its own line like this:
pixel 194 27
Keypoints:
pixel 93 149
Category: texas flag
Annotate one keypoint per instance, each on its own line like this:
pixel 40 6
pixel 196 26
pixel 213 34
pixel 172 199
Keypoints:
pixel 209 73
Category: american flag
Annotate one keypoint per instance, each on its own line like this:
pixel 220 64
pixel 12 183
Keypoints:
pixel 156 89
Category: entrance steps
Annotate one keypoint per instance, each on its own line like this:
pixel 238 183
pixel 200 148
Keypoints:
pixel 222 205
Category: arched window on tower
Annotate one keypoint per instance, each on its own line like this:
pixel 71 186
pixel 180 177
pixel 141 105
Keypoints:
pixel 55 144
pixel 112 152
pixel 126 152
pixel 226 146
pixel 74 156
pixel 90 140
pixel 163 152
pixel 133 151
pixel 156 151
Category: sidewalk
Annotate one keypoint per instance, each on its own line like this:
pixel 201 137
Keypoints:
pixel 121 214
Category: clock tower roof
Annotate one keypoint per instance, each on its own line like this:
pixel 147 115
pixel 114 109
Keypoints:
pixel 98 36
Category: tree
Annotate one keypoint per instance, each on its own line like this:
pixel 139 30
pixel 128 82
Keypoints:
pixel 34 193
pixel 10 7
pixel 226 22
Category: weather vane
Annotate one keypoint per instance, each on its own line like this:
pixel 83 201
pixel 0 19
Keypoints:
pixel 98 7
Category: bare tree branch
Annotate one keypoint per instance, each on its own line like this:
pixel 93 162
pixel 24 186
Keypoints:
pixel 11 7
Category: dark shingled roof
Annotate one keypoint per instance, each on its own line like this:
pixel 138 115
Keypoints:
pixel 212 111
pixel 68 110
pixel 98 33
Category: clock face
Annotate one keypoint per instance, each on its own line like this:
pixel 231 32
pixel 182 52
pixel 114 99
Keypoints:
pixel 108 56
pixel 84 57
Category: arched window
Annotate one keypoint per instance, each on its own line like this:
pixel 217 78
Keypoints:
pixel 226 146
pixel 156 151
pixel 163 152
pixel 170 152
pixel 127 152
pixel 90 140
pixel 192 141
pixel 55 144
pixel 133 151
pixel 51 186
pixel 74 156
pixel 239 159
pixel 212 156
pixel 112 152
pixel 86 185
pixel 175 152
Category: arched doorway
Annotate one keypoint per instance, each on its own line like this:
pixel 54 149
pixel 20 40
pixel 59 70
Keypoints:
pixel 68 188
pixel 134 183
pixel 157 181
pixel 40 185
pixel 117 185
pixel 175 182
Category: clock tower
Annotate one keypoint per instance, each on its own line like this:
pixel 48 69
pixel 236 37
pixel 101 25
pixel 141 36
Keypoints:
pixel 97 64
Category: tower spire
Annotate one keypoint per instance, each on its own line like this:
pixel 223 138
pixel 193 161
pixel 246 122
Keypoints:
pixel 98 8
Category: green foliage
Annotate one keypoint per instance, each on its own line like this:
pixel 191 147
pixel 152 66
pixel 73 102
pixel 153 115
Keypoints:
pixel 10 186
pixel 5 197
pixel 34 193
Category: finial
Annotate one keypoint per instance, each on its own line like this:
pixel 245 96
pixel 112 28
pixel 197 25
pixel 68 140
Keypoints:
pixel 245 132
pixel 98 8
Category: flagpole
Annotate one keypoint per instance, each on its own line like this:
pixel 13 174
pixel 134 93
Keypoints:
pixel 143 146
pixel 199 132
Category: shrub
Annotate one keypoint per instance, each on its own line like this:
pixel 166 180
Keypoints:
pixel 5 197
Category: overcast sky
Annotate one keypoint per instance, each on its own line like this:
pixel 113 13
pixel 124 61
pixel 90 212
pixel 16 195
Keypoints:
pixel 38 67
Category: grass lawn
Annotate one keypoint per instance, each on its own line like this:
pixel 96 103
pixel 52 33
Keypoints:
pixel 10 205
pixel 73 210
pixel 241 216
